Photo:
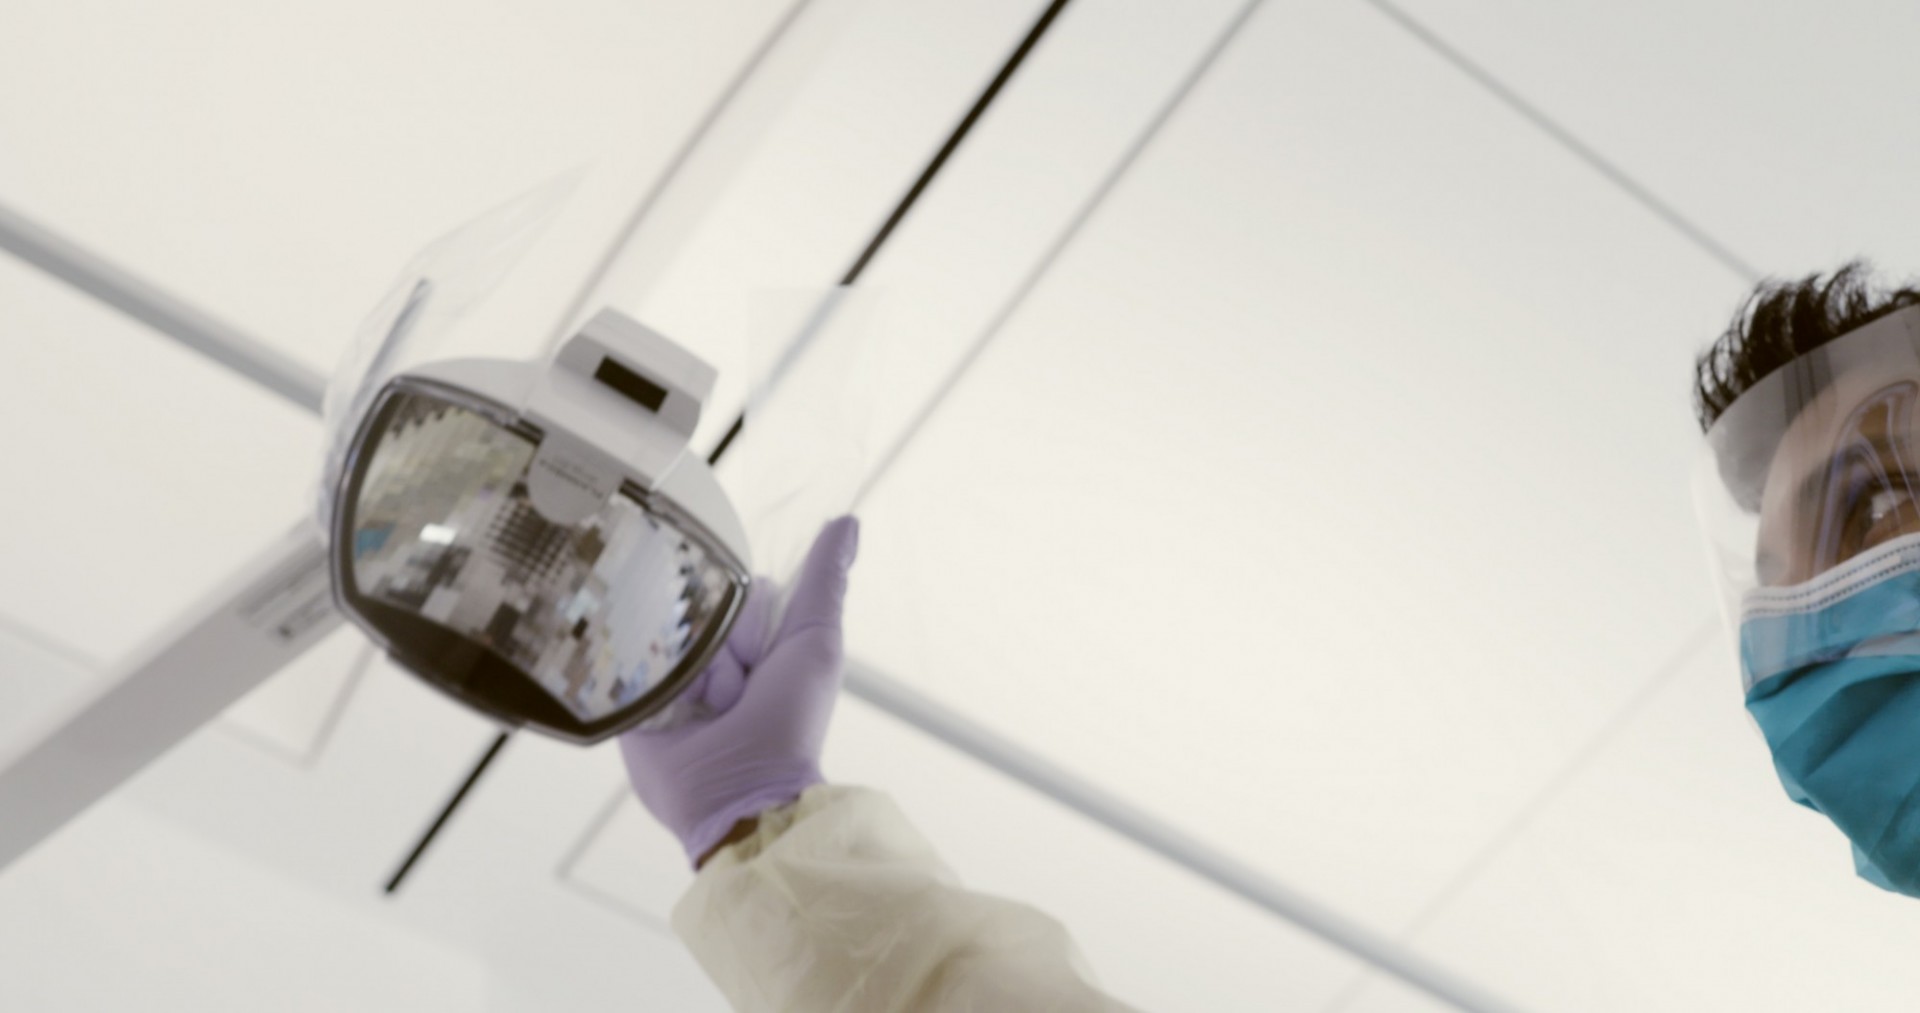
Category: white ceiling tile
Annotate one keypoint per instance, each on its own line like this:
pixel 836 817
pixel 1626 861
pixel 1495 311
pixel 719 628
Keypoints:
pixel 947 272
pixel 1774 127
pixel 153 473
pixel 37 680
pixel 1673 874
pixel 292 712
pixel 277 165
pixel 843 155
pixel 1009 195
pixel 345 821
pixel 1333 488
pixel 629 860
pixel 489 885
pixel 124 910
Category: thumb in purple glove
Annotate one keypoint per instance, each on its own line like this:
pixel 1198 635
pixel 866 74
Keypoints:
pixel 775 700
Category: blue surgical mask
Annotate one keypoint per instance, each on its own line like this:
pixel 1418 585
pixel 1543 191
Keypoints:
pixel 1832 671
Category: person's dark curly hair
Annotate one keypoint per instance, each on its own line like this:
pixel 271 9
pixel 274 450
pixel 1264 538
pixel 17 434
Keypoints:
pixel 1783 320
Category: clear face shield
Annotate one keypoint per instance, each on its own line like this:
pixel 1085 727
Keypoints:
pixel 1808 490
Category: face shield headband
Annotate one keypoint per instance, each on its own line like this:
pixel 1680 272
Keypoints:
pixel 1816 464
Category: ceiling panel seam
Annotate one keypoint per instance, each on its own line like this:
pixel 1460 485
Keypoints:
pixel 563 872
pixel 255 740
pixel 600 898
pixel 14 626
pixel 910 198
pixel 308 758
pixel 337 710
pixel 1611 171
pixel 702 131
pixel 578 849
pixel 1081 216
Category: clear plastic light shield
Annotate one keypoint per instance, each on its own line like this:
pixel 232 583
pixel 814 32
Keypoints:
pixel 1814 474
pixel 804 449
pixel 580 630
pixel 807 448
pixel 451 276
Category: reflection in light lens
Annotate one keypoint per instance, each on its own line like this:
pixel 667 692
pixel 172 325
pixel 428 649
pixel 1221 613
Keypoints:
pixel 597 612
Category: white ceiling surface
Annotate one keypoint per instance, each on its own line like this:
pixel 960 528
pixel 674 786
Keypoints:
pixel 1366 470
pixel 503 934
pixel 1669 874
pixel 182 922
pixel 1327 499
pixel 1776 127
pixel 1286 505
pixel 278 167
pixel 131 519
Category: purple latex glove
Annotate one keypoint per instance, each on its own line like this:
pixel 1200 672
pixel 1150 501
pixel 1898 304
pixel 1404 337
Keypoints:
pixel 763 748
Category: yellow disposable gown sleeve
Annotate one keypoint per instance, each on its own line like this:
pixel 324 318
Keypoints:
pixel 836 903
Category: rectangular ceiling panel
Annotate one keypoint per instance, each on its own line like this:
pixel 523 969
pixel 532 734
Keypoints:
pixel 1672 873
pixel 1086 97
pixel 1776 128
pixel 843 155
pixel 488 889
pixel 293 713
pixel 144 474
pixel 1331 493
pixel 277 165
pixel 37 678
pixel 124 910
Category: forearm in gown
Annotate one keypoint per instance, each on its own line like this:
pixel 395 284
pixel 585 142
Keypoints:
pixel 836 903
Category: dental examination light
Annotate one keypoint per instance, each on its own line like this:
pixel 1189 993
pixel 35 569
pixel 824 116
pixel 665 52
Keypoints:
pixel 534 539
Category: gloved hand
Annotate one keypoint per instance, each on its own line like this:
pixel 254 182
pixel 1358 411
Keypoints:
pixel 774 701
